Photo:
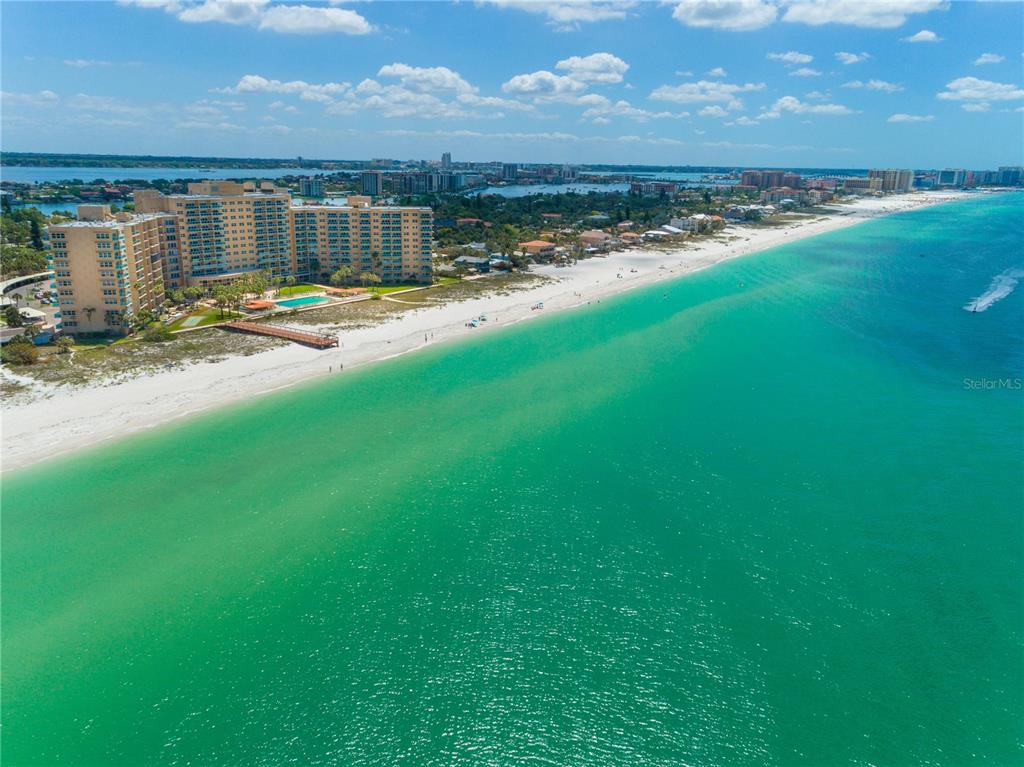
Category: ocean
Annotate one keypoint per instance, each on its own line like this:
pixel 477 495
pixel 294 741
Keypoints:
pixel 768 514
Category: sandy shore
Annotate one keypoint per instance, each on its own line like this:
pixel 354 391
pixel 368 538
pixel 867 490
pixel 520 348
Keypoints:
pixel 70 418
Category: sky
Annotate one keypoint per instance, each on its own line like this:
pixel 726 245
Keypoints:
pixel 795 83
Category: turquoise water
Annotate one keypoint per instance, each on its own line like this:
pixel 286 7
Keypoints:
pixel 305 301
pixel 769 514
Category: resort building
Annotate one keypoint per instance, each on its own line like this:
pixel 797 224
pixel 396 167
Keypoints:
pixel 225 229
pixel 107 268
pixel 894 180
pixel 393 243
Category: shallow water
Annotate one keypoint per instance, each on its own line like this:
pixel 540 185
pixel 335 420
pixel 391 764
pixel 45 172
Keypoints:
pixel 773 518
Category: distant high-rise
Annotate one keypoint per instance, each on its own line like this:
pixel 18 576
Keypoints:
pixel 894 180
pixel 952 177
pixel 509 171
pixel 372 182
pixel 446 161
pixel 311 187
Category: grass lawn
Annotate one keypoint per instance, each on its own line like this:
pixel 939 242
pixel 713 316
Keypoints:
pixel 206 317
pixel 298 290
pixel 385 289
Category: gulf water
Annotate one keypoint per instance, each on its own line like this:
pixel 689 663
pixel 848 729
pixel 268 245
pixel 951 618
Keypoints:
pixel 769 514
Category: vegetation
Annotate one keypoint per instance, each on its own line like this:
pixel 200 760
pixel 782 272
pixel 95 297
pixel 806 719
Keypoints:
pixel 20 351
pixel 13 317
pixel 157 333
pixel 297 290
pixel 21 242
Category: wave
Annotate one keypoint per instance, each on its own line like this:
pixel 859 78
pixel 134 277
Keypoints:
pixel 1001 286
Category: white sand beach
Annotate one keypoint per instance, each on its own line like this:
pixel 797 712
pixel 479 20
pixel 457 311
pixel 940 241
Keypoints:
pixel 65 418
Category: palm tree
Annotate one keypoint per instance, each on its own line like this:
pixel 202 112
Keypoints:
pixel 89 312
pixel 17 298
pixel 341 276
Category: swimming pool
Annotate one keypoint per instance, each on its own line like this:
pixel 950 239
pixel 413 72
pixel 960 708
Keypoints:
pixel 291 303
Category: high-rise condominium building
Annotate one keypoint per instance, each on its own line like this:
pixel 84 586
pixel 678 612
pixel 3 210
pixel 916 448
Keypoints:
pixel 509 171
pixel 393 243
pixel 894 180
pixel 225 229
pixel 108 269
pixel 446 161
pixel 311 187
pixel 372 182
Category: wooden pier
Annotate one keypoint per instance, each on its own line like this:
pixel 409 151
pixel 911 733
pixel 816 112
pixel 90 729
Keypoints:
pixel 314 339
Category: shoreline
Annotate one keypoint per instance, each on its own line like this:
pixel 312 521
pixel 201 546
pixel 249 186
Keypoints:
pixel 74 418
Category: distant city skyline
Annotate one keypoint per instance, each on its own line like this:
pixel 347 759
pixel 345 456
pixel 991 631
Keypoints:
pixel 906 83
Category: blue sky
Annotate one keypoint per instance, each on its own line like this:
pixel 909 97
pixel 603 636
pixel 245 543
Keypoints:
pixel 800 83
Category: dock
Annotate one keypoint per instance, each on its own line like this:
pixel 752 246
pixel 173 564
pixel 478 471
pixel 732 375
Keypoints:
pixel 308 338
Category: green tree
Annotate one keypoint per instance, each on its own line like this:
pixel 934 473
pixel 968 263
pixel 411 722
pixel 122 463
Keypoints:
pixel 342 275
pixel 13 317
pixel 65 344
pixel 221 298
pixel 20 351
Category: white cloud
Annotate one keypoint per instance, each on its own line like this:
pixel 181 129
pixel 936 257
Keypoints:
pixel 989 58
pixel 713 111
pixel 743 120
pixel 106 104
pixel 794 105
pixel 286 19
pixel 734 15
pixel 902 117
pixel 816 95
pixel 427 79
pixel 976 106
pixel 684 73
pixel 38 99
pixel 705 91
pixel 852 58
pixel 717 72
pixel 567 15
pixel 924 36
pixel 85 63
pixel 805 72
pixel 322 92
pixel 596 68
pixel 877 14
pixel 792 58
pixel 543 85
pixel 973 89
pixel 600 114
pixel 875 85
pixel 307 20
pixel 745 15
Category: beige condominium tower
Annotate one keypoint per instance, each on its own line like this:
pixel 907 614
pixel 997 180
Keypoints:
pixel 225 229
pixel 393 243
pixel 107 269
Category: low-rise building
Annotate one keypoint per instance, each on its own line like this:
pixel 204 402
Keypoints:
pixel 538 248
pixel 479 263
pixel 595 238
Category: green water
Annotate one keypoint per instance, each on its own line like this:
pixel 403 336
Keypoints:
pixel 750 517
